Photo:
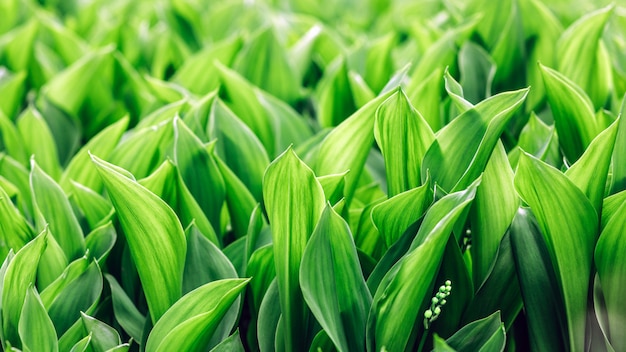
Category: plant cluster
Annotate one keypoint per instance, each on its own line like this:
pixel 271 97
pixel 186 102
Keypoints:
pixel 293 175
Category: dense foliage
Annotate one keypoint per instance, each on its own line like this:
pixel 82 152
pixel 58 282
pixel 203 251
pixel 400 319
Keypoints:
pixel 312 175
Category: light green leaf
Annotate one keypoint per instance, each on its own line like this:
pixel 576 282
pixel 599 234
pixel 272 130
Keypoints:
pixel 347 146
pixel 100 241
pixel 335 101
pixel 590 172
pixel 242 99
pixel 403 137
pixel 269 320
pixel 394 216
pixel 35 327
pixel 126 314
pixel 103 337
pixel 191 321
pixel 492 212
pixel 38 141
pixel 196 75
pixel 239 200
pixel 51 264
pixel 294 200
pixel 486 335
pixel 20 275
pixel 157 248
pixel 573 113
pixel 238 147
pixel 94 208
pixel 11 141
pixel 80 168
pixel 231 344
pixel 538 139
pixel 12 87
pixel 582 56
pixel 69 88
pixel 15 231
pixel 568 223
pixel 264 62
pixel 76 296
pixel 167 183
pixel 462 148
pixel 199 171
pixel 143 150
pixel 477 72
pixel 619 154
pixel 54 208
pixel 333 284
pixel 612 275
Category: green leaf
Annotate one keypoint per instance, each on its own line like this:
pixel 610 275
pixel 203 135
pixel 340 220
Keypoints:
pixel 95 208
pixel 347 146
pixel 619 154
pixel 401 297
pixel 126 314
pixel 12 87
pixel 333 284
pixel 200 78
pixel 582 56
pixel 204 262
pixel 568 223
pixel 573 113
pixel 486 334
pixel 35 327
pixel 191 321
pixel 238 147
pixel 55 209
pixel 51 264
pixel 394 216
pixel 100 241
pixel 143 151
pixel 11 141
pixel 492 212
pixel 15 231
pixel 590 172
pixel 239 200
pixel 264 62
pixel 294 200
pixel 477 72
pixel 157 248
pixel 538 285
pixel 269 319
pixel 538 139
pixel 69 88
pixel 541 24
pixel 403 137
pixel 262 270
pixel 500 289
pixel 20 275
pixel 199 171
pixel 167 183
pixel 76 296
pixel 231 344
pixel 38 141
pixel 334 97
pixel 244 103
pixel 612 275
pixel 80 168
pixel 462 148
pixel 103 337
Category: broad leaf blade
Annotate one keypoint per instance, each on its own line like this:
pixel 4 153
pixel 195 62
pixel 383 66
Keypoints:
pixel 568 223
pixel 158 248
pixel 333 284
pixel 294 200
